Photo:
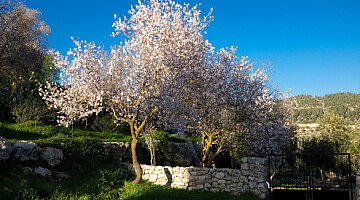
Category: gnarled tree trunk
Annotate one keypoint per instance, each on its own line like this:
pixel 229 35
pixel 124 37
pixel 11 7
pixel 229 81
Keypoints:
pixel 135 162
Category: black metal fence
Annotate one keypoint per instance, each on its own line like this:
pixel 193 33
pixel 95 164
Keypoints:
pixel 311 176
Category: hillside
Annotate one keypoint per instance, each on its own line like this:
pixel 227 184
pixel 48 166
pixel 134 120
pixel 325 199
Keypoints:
pixel 309 109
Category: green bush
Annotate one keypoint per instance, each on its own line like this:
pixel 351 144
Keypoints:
pixel 104 123
pixel 28 109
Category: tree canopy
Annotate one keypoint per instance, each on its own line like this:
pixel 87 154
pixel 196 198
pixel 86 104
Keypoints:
pixel 165 73
pixel 22 52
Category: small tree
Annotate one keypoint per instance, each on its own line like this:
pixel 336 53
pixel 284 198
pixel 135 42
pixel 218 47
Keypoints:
pixel 153 138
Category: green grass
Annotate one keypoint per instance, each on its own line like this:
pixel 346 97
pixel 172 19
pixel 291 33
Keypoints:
pixel 41 133
pixel 110 181
pixel 106 185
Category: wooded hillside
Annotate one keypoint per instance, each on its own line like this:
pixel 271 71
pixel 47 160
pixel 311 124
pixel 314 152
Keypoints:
pixel 310 109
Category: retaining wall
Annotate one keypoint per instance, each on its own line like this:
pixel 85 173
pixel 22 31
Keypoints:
pixel 250 178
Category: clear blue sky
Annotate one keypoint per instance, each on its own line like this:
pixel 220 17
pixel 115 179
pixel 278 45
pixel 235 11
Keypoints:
pixel 312 46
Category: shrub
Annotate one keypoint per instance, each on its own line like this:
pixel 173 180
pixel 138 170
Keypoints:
pixel 28 109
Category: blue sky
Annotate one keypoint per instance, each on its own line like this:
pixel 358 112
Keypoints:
pixel 311 46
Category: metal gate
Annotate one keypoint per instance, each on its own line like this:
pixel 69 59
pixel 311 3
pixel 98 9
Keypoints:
pixel 310 176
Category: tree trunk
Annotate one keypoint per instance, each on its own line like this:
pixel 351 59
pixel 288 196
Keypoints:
pixel 136 164
pixel 152 155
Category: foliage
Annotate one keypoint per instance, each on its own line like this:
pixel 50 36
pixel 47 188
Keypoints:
pixel 166 74
pixel 153 138
pixel 335 137
pixel 133 82
pixel 354 146
pixel 104 123
pixel 22 53
pixel 321 145
pixel 311 109
pixel 30 109
pixel 92 174
pixel 334 127
pixel 80 95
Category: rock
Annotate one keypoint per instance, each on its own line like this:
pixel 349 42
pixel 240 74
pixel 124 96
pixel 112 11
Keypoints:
pixel 7 190
pixel 180 154
pixel 61 175
pixel 119 150
pixel 52 156
pixel 5 149
pixel 245 166
pixel 42 171
pixel 28 170
pixel 219 175
pixel 25 151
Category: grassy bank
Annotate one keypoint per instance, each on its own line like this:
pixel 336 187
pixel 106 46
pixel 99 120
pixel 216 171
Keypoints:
pixel 92 175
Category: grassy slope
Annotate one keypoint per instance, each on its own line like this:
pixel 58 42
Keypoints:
pixel 92 174
pixel 50 134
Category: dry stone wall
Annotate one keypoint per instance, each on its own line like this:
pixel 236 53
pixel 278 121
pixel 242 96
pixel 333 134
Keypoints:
pixel 250 178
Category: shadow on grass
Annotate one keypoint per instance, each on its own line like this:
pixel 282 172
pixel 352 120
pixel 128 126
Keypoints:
pixel 13 134
pixel 104 184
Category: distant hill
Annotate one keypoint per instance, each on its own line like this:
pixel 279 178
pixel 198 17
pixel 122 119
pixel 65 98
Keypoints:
pixel 309 109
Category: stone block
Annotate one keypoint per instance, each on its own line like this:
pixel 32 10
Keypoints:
pixel 219 175
pixel 25 151
pixel 251 160
pixel 215 184
pixel 243 179
pixel 222 187
pixel 214 190
pixel 207 185
pixel 51 155
pixel 199 187
pixel 200 182
pixel 192 178
pixel 145 176
pixel 191 188
pixel 42 171
pixel 201 178
pixel 245 172
pixel 235 179
pixel 5 149
pixel 244 159
pixel 152 178
pixel 246 188
pixel 244 166
pixel 254 168
pixel 236 172
pixel 252 184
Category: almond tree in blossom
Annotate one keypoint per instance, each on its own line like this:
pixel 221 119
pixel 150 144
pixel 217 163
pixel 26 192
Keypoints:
pixel 236 110
pixel 140 77
pixel 164 72
pixel 82 78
